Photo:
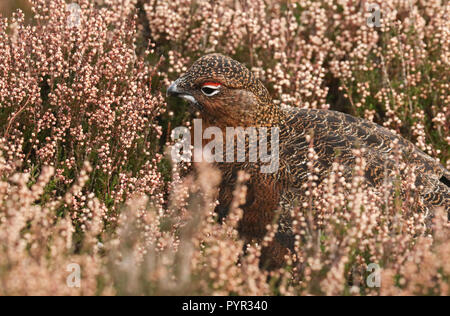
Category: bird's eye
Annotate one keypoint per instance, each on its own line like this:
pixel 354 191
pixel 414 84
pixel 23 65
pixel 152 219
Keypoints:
pixel 210 88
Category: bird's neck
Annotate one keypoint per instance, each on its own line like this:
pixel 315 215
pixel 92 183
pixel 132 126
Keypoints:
pixel 268 115
pixel 262 115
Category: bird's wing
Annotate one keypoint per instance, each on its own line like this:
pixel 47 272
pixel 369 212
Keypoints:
pixel 337 134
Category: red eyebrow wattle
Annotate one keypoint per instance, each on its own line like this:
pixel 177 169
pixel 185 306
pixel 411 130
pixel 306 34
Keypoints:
pixel 216 84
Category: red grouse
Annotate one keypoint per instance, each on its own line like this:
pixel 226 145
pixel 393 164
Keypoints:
pixel 227 94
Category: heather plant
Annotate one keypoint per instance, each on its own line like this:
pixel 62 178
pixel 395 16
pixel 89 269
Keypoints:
pixel 85 178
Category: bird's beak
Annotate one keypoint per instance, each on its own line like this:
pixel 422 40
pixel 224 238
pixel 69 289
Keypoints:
pixel 175 91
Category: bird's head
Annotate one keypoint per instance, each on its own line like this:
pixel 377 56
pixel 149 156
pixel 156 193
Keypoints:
pixel 225 93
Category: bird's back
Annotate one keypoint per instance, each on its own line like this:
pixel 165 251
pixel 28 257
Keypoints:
pixel 336 136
